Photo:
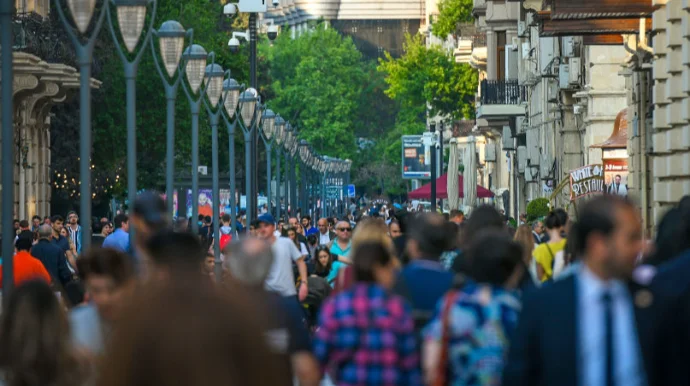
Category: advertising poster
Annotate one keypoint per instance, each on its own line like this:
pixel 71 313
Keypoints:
pixel 204 202
pixel 416 162
pixel 586 180
pixel 616 176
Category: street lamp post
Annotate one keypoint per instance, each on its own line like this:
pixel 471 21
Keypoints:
pixel 279 135
pixel 171 42
pixel 288 180
pixel 6 37
pixel 304 157
pixel 432 129
pixel 82 13
pixel 293 174
pixel 232 96
pixel 268 130
pixel 248 106
pixel 195 57
pixel 213 76
pixel 131 16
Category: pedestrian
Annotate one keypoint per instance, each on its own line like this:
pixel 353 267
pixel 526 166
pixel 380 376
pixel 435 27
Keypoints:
pixel 71 254
pixel 249 262
pixel 35 223
pixel 325 236
pixel 456 216
pixel 292 235
pixel 174 256
pixel 524 236
pixel 119 239
pixel 323 265
pixel 423 281
pixel 35 344
pixel 366 334
pixel 484 217
pixel 60 240
pixel 74 230
pixel 177 333
pixel 108 278
pixel 582 330
pixel 99 238
pixel 52 257
pixel 394 229
pixel 149 216
pixel 25 266
pixel 550 255
pixel 466 341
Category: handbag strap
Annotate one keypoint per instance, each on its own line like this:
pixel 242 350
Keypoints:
pixel 442 370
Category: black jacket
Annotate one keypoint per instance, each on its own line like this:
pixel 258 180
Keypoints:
pixel 53 259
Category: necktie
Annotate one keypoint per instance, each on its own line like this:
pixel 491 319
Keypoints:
pixel 608 338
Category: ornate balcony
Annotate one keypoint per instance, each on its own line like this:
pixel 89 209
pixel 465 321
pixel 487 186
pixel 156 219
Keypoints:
pixel 501 98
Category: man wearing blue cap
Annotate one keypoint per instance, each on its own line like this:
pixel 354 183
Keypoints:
pixel 281 279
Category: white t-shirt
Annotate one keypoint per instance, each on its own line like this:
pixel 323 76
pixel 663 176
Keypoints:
pixel 281 279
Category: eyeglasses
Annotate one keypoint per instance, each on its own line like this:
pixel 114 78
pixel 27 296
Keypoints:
pixel 345 229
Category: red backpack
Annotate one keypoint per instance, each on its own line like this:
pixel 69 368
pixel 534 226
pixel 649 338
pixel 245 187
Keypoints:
pixel 225 238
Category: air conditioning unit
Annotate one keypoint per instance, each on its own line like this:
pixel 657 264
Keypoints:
pixel 546 55
pixel 531 174
pixel 522 158
pixel 520 124
pixel 515 43
pixel 490 152
pixel 571 47
pixel 575 70
pixel 507 140
pixel 526 50
pixel 552 92
pixel 545 166
pixel 564 76
pixel 533 153
pixel 523 29
pixel 530 19
pixel 511 64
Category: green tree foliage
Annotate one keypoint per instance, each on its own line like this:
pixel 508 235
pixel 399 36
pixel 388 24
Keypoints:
pixel 430 74
pixel 451 13
pixel 537 209
pixel 317 82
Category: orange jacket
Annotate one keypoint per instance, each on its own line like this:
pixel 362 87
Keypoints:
pixel 26 268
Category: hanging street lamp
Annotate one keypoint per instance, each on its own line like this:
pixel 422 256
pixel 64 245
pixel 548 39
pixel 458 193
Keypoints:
pixel 248 102
pixel 231 90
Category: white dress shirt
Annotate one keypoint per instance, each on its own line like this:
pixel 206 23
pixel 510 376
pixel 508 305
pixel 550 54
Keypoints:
pixel 592 343
pixel 324 238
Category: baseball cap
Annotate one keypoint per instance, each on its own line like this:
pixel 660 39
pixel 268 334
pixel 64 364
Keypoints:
pixel 266 218
pixel 151 207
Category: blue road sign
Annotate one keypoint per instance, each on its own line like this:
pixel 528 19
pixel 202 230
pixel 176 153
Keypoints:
pixel 351 191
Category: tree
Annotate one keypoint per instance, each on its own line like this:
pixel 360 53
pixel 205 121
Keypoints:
pixel 316 83
pixel 429 74
pixel 451 13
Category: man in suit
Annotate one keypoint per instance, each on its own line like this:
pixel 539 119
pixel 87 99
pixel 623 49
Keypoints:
pixel 538 231
pixel 617 188
pixel 325 235
pixel 582 330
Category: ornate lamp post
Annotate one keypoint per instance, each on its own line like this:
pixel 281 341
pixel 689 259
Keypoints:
pixel 231 89
pixel 248 107
pixel 171 43
pixel 195 58
pixel 303 149
pixel 131 16
pixel 286 148
pixel 268 130
pixel 293 173
pixel 82 13
pixel 213 76
pixel 279 135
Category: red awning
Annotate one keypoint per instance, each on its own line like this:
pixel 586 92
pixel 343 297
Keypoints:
pixel 442 189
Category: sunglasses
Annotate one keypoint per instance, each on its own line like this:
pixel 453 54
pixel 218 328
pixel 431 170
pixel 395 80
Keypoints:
pixel 345 229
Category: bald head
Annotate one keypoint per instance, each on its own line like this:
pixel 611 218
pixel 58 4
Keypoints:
pixel 45 232
pixel 249 261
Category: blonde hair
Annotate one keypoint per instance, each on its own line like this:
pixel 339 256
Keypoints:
pixel 373 230
pixel 525 238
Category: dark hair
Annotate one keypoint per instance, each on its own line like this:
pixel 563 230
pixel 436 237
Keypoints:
pixel 35 344
pixel 226 218
pixel 56 218
pixel 366 257
pixel 555 219
pixel 120 219
pixel 254 224
pixel 74 292
pixel 179 251
pixel 455 213
pixel 318 268
pixel 106 262
pixel 484 217
pixel 596 216
pixel 24 243
pixel 672 236
pixel 306 216
pixel 36 217
pixel 46 217
pixel 24 224
pixel 201 217
pixel 208 219
pixel 494 256
pixel 312 239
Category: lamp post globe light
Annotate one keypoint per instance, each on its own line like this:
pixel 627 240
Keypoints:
pixel 213 78
pixel 170 43
pixel 248 106
pixel 268 118
pixel 279 129
pixel 131 17
pixel 231 98
pixel 195 58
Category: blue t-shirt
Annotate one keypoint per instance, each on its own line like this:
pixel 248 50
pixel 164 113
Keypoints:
pixel 87 332
pixel 423 283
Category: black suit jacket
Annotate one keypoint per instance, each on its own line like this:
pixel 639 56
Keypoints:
pixel 53 259
pixel 544 349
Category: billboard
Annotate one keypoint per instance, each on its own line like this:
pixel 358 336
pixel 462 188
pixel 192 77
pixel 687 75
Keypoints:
pixel 416 158
pixel 586 180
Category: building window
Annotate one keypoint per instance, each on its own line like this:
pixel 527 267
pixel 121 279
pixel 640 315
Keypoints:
pixel 353 30
pixel 500 54
pixel 379 29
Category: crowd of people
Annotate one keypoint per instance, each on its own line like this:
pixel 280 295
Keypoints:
pixel 378 297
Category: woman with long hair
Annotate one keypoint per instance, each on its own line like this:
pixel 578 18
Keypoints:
pixel 70 254
pixel 35 344
pixel 525 238
pixel 377 324
pixel 323 263
pixel 550 256
pixel 292 235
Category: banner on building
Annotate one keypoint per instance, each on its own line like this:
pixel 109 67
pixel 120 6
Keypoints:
pixel 586 180
pixel 416 159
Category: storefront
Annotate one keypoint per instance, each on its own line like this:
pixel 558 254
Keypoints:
pixel 615 156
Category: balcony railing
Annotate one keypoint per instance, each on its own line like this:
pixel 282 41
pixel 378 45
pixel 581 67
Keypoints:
pixel 502 92
pixel 479 40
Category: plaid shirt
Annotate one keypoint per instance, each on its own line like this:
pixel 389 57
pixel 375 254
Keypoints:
pixel 366 336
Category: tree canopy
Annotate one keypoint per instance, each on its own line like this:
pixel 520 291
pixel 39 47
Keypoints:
pixel 451 13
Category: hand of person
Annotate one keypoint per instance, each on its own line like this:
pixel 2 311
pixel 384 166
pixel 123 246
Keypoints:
pixel 303 291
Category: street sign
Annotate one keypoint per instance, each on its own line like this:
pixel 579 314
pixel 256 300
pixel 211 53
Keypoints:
pixel 416 157
pixel 351 191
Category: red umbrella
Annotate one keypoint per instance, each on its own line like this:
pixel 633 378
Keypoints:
pixel 442 189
